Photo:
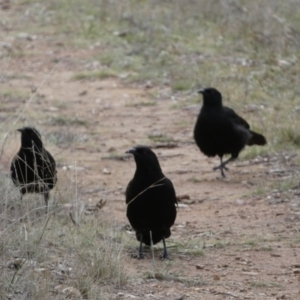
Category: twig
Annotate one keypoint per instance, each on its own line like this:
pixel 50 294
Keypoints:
pixel 72 219
pixel 37 90
pixel 151 186
pixel 38 242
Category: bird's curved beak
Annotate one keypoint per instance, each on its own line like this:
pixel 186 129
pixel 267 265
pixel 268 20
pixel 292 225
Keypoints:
pixel 132 150
pixel 201 91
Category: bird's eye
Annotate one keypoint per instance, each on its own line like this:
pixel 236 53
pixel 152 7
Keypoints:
pixel 143 152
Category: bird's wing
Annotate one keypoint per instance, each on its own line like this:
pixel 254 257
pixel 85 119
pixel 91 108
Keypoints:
pixel 51 166
pixel 13 169
pixel 47 170
pixel 236 118
pixel 129 194
pixel 170 189
pixel 17 168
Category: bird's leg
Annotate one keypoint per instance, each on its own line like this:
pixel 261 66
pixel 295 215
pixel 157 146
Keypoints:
pixel 165 254
pixel 222 166
pixel 46 197
pixel 20 205
pixel 225 168
pixel 141 254
pixel 227 161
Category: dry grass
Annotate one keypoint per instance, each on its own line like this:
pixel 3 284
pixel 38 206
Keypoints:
pixel 65 246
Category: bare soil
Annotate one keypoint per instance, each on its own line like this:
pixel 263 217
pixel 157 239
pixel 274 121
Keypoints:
pixel 248 241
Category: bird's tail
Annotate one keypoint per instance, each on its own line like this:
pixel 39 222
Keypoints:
pixel 256 139
pixel 156 236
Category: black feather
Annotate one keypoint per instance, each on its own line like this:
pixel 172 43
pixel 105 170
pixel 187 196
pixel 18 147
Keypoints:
pixel 220 131
pixel 33 168
pixel 151 199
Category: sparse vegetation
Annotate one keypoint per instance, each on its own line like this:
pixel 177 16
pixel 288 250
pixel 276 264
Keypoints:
pixel 94 75
pixel 160 138
pixel 63 138
pixel 261 284
pixel 251 243
pixel 66 121
pixel 142 103
pixel 84 256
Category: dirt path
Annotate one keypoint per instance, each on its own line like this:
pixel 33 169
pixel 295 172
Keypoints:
pixel 242 244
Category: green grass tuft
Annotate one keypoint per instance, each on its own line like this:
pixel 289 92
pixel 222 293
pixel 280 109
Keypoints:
pixel 95 75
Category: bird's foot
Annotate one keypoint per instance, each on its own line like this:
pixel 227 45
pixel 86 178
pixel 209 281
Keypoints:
pixel 138 256
pixel 164 256
pixel 221 167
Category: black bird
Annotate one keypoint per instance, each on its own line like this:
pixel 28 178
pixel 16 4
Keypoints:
pixel 220 131
pixel 151 200
pixel 33 168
